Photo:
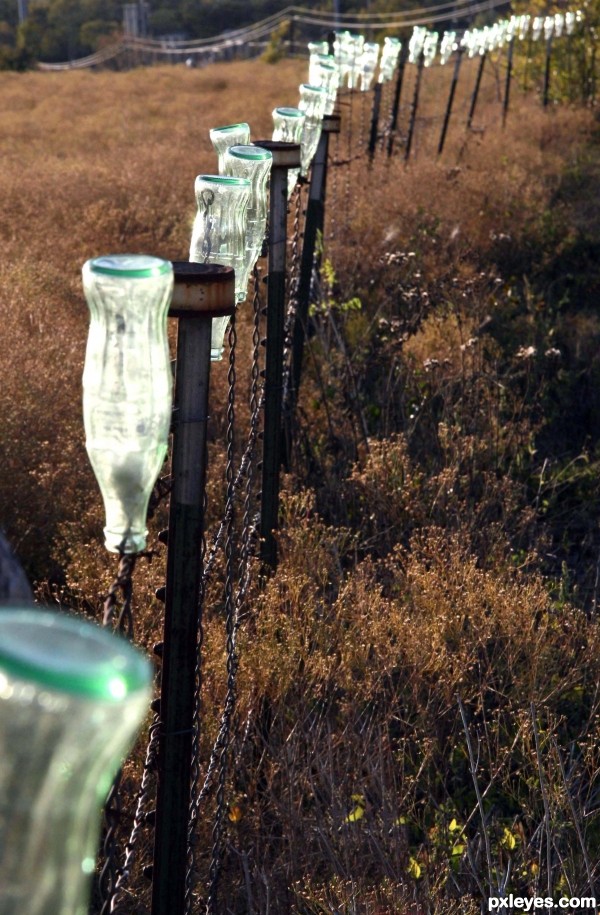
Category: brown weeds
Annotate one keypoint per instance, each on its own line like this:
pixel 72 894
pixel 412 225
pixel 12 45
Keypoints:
pixel 418 700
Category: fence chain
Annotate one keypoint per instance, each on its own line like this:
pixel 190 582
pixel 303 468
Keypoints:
pixel 161 489
pixel 248 546
pixel 349 159
pixel 195 769
pixel 333 157
pixel 120 618
pixel 231 628
pixel 292 299
pixel 139 820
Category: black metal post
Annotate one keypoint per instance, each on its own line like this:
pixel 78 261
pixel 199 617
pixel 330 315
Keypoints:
pixel 397 94
pixel 475 95
pixel 457 63
pixel 202 291
pixel 527 61
pixel 285 156
pixel 331 43
pixel 547 72
pixel 592 92
pixel 415 105
pixel 314 223
pixel 509 65
pixel 374 120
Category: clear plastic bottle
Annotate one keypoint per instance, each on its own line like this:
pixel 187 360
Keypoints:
pixel 72 697
pixel 127 387
pixel 253 163
pixel 219 236
pixel 288 127
pixel 224 137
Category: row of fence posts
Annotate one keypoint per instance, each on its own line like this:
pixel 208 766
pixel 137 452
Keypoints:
pixel 392 129
pixel 202 293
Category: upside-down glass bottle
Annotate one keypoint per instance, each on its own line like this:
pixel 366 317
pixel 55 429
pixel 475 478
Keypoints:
pixel 389 58
pixel 127 387
pixel 253 163
pixel 313 100
pixel 288 127
pixel 326 75
pixel 224 137
pixel 219 236
pixel 366 65
pixel 72 697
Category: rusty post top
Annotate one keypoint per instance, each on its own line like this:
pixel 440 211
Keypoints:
pixel 285 155
pixel 331 123
pixel 202 290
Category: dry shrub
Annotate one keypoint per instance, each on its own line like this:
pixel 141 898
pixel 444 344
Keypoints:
pixel 352 681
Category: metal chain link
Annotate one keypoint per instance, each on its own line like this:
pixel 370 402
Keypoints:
pixel 294 274
pixel 332 208
pixel 123 622
pixel 361 129
pixel 118 906
pixel 195 768
pixel 160 491
pixel 249 538
pixel 231 628
pixel 120 618
pixel 349 147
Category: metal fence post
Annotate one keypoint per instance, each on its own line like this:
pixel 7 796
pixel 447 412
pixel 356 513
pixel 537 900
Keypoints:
pixel 314 223
pixel 397 94
pixel 509 64
pixel 285 156
pixel 415 105
pixel 457 63
pixel 201 292
pixel 475 94
pixel 374 120
pixel 546 96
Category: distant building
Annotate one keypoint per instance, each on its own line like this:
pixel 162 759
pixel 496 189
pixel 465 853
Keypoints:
pixel 135 19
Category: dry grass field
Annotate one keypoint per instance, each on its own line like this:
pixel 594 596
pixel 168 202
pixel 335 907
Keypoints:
pixel 419 705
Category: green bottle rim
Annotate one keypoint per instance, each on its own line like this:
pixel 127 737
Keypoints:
pixel 313 88
pixel 130 266
pixel 226 180
pixel 290 112
pixel 70 655
pixel 250 152
pixel 229 127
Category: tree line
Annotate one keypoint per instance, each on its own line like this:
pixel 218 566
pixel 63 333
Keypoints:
pixel 61 30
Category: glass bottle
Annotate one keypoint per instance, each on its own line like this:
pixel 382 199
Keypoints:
pixel 325 73
pixel 288 127
pixel 72 697
pixel 127 387
pixel 313 100
pixel 224 137
pixel 389 58
pixel 219 236
pixel 253 163
pixel 366 65
pixel 430 48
